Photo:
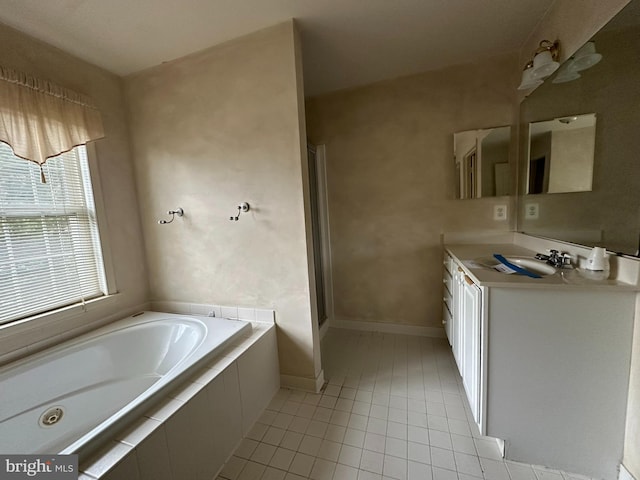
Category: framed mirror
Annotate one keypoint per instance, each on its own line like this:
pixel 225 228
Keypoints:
pixel 482 162
pixel 601 79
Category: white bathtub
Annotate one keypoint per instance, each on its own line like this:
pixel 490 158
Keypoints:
pixel 96 383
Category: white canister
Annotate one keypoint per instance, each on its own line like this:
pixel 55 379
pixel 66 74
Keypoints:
pixel 598 263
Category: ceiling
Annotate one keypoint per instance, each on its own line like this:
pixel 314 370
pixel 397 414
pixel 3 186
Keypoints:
pixel 345 42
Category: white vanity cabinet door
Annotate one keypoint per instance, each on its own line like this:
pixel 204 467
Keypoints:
pixel 471 344
pixel 464 330
pixel 458 315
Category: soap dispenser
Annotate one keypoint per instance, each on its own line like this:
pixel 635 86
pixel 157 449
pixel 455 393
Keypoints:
pixel 597 266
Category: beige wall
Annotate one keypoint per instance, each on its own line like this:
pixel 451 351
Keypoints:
pixel 391 184
pixel 122 226
pixel 210 131
pixel 574 26
pixel 571 168
pixel 571 24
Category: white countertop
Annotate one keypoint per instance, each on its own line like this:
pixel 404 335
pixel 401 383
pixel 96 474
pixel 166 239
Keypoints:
pixel 466 254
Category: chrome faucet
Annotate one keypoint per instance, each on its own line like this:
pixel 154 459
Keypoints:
pixel 556 258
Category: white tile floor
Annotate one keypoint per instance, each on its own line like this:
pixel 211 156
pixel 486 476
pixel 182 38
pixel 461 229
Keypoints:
pixel 393 409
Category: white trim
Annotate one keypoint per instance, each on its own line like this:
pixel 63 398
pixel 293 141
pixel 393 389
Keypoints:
pixel 436 332
pixel 59 314
pixel 101 214
pixel 625 474
pixel 324 328
pixel 303 383
pixel 325 231
pixel 484 361
pixel 501 445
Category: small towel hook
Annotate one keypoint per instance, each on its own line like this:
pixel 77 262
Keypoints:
pixel 179 212
pixel 243 207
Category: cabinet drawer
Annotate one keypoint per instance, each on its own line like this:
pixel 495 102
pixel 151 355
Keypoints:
pixel 447 321
pixel 447 317
pixel 447 279
pixel 447 300
pixel 448 263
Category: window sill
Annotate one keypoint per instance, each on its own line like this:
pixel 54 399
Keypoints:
pixel 26 336
pixel 69 311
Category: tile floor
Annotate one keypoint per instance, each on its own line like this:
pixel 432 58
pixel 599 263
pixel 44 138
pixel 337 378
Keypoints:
pixel 393 409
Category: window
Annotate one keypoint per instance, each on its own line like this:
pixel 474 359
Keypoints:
pixel 50 253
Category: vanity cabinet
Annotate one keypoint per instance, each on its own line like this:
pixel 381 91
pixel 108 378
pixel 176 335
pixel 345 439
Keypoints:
pixel 462 318
pixel 544 364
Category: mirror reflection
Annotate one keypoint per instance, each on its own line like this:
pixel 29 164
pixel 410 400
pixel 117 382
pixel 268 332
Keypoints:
pixel 609 214
pixel 482 162
pixel 561 154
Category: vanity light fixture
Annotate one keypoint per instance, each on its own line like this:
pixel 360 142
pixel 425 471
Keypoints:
pixel 586 57
pixel 528 80
pixel 545 60
pixel 544 63
pixel 567 73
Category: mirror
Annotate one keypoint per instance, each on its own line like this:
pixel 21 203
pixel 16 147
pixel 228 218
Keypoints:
pixel 482 162
pixel 606 83
pixel 561 154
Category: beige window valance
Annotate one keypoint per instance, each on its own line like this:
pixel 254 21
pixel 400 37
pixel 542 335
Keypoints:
pixel 39 119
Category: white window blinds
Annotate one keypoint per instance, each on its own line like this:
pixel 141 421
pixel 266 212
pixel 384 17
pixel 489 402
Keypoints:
pixel 50 252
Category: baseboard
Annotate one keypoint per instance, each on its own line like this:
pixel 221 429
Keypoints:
pixel 435 332
pixel 625 474
pixel 320 381
pixel 324 328
pixel 501 445
pixel 303 383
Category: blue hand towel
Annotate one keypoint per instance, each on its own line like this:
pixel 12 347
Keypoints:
pixel 517 269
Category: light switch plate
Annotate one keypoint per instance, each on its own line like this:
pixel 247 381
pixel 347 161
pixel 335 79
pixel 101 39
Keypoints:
pixel 531 211
pixel 500 212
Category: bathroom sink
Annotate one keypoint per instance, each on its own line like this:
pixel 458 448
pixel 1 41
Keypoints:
pixel 531 264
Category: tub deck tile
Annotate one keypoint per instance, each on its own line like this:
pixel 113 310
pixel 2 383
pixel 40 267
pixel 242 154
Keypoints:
pixel 140 430
pixel 186 391
pixel 166 408
pixel 106 459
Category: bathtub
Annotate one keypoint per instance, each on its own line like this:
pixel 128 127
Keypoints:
pixel 69 398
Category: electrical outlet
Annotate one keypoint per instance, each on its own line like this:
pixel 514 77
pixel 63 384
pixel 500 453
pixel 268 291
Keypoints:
pixel 531 211
pixel 499 212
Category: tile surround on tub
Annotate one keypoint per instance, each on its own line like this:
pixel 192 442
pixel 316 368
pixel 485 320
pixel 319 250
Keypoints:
pixel 264 315
pixel 229 389
pixel 110 456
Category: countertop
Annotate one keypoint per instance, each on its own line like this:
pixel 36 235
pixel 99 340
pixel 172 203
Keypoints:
pixel 466 255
